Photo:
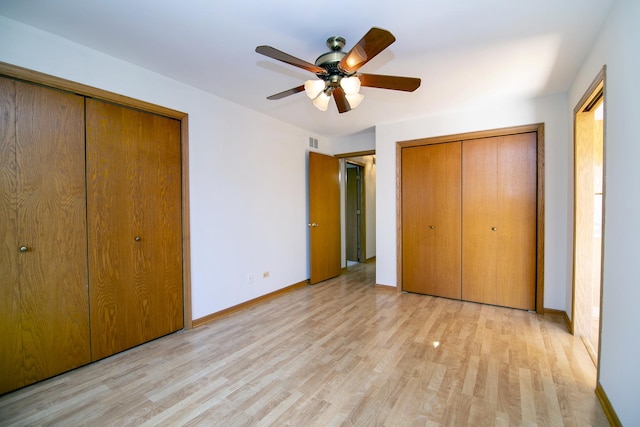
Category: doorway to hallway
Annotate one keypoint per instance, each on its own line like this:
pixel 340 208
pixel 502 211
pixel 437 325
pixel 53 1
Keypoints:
pixel 354 211
pixel 358 207
pixel 589 194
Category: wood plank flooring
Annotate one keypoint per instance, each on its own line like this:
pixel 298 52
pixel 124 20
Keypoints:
pixel 342 352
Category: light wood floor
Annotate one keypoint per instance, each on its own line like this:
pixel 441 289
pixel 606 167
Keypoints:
pixel 342 352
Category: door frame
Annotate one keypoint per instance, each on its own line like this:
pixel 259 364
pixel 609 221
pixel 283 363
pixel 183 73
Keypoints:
pixel 349 157
pixel 361 206
pixel 588 97
pixel 36 77
pixel 539 129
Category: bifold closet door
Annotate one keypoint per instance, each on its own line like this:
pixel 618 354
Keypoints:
pixel 499 220
pixel 134 226
pixel 44 323
pixel 431 219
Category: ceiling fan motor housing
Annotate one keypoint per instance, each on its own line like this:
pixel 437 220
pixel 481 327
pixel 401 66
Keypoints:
pixel 330 60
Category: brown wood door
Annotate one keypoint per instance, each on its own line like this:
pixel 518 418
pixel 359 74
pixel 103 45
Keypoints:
pixel 135 226
pixel 499 220
pixel 431 219
pixel 324 217
pixel 44 328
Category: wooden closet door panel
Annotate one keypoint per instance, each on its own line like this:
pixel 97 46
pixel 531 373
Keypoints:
pixel 135 226
pixel 51 208
pixel 111 230
pixel 11 355
pixel 479 217
pixel 499 220
pixel 516 254
pixel 431 219
pixel 162 224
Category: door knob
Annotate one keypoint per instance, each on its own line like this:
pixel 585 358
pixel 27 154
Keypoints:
pixel 433 227
pixel 23 249
pixel 493 229
pixel 137 238
pixel 313 224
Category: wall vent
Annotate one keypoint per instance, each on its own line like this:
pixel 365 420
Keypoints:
pixel 313 142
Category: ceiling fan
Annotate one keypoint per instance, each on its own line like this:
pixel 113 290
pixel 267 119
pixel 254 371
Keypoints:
pixel 338 71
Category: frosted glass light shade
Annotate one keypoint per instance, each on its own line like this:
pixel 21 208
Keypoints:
pixel 313 88
pixel 354 100
pixel 322 101
pixel 350 85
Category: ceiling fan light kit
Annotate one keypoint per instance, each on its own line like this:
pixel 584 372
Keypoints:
pixel 354 99
pixel 337 71
pixel 313 88
pixel 321 90
pixel 350 85
pixel 322 101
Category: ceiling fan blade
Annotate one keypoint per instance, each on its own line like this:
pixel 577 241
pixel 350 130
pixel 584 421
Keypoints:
pixel 374 42
pixel 287 92
pixel 341 100
pixel 407 84
pixel 292 60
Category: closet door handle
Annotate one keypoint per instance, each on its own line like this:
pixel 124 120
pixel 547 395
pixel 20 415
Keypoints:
pixel 433 227
pixel 23 249
pixel 494 229
pixel 137 238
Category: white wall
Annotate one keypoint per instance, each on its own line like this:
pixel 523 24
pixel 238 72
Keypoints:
pixel 552 111
pixel 618 47
pixel 247 171
pixel 361 141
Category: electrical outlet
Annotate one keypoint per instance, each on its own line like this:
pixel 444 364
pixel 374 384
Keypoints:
pixel 249 278
pixel 265 275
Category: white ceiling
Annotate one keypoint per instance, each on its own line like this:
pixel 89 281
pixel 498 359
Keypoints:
pixel 467 52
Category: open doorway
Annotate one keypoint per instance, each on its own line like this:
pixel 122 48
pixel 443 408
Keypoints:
pixel 355 237
pixel 589 193
pixel 358 210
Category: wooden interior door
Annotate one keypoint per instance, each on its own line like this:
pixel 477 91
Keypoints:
pixel 324 217
pixel 499 220
pixel 135 226
pixel 43 268
pixel 431 198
